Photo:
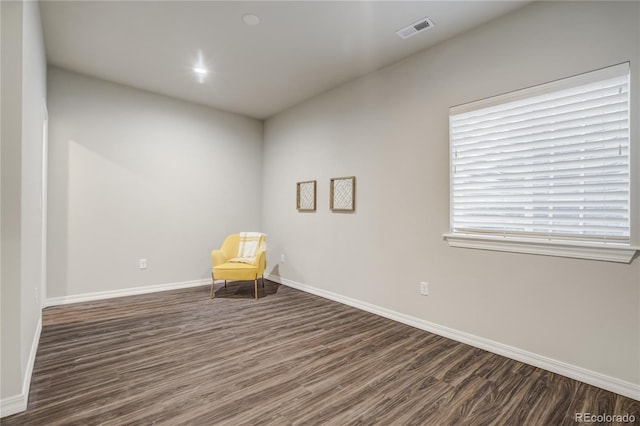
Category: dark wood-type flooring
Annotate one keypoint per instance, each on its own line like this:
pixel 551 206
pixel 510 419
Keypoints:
pixel 179 358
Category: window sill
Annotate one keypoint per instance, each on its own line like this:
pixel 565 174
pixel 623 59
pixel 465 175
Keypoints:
pixel 579 250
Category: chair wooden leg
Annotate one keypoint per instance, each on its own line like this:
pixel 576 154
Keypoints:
pixel 213 281
pixel 255 289
pixel 225 283
pixel 263 281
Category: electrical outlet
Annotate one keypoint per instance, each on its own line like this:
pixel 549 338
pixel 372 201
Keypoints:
pixel 143 263
pixel 424 288
pixel 282 258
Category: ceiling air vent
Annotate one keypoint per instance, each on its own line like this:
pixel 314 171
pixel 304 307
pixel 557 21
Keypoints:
pixel 415 28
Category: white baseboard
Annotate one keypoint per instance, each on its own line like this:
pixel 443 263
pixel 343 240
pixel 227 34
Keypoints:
pixel 18 403
pixel 89 297
pixel 609 383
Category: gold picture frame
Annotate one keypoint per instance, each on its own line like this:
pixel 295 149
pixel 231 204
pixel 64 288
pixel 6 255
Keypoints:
pixel 342 194
pixel 306 196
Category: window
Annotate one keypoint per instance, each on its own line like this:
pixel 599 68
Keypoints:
pixel 546 169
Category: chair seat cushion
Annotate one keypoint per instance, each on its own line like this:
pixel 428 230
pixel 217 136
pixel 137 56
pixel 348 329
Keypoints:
pixel 235 271
pixel 235 266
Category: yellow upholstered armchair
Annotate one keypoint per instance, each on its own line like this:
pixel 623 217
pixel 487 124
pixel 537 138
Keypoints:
pixel 241 257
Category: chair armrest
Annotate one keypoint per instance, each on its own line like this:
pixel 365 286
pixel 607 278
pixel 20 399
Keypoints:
pixel 261 260
pixel 217 258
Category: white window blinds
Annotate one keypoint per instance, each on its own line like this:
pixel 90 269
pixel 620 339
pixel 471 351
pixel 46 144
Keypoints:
pixel 549 161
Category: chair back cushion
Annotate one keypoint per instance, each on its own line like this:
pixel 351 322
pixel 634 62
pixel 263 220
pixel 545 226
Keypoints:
pixel 230 246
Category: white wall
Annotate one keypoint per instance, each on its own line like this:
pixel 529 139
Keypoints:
pixel 390 130
pixel 23 109
pixel 137 175
pixel 34 92
pixel 11 14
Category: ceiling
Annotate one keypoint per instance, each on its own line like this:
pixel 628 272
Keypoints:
pixel 299 49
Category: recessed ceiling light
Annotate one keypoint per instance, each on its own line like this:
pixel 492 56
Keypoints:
pixel 199 67
pixel 250 19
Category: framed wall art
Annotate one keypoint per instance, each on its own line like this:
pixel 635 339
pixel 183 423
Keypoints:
pixel 306 196
pixel 342 192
